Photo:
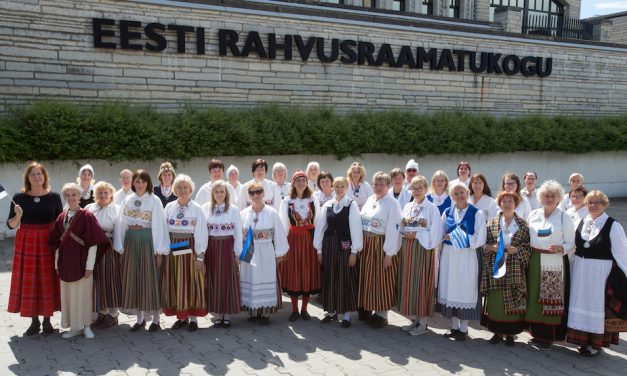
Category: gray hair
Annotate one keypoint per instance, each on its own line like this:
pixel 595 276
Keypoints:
pixel 451 188
pixel 182 178
pixel 381 176
pixel 279 166
pixel 71 187
pixel 550 186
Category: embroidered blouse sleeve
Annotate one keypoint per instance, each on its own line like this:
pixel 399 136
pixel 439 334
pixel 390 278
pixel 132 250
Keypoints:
pixel 436 232
pixel 159 225
pixel 121 226
pixel 357 234
pixel 237 234
pixel 568 231
pixel 619 245
pixel 201 234
pixel 478 239
pixel 321 226
pixel 283 214
pixel 280 235
pixel 392 242
pixel 276 195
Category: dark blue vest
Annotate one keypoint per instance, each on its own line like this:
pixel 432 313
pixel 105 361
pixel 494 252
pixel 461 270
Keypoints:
pixel 467 223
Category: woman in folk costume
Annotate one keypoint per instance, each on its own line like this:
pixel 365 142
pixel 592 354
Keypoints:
pixel 266 241
pixel 399 190
pixel 529 190
pixel 598 285
pixel 438 194
pixel 481 196
pixel 505 291
pixel 458 287
pixel 552 235
pixel 338 238
pixel 300 271
pixel 222 256
pixel 511 183
pixel 75 239
pixel 272 195
pixel 141 234
pixel 126 183
pixel 108 272
pixel 578 209
pixel 378 267
pixel 183 288
pixel 85 180
pixel 34 282
pixel 325 183
pixel 358 188
pixel 422 232
pixel 165 189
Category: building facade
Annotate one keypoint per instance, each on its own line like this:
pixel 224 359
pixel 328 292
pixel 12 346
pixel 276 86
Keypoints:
pixel 243 53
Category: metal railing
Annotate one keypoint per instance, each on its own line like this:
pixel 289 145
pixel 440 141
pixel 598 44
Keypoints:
pixel 556 26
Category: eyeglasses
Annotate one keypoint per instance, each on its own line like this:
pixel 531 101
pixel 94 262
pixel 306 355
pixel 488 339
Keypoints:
pixel 595 203
pixel 577 196
pixel 257 192
pixel 509 184
pixel 411 170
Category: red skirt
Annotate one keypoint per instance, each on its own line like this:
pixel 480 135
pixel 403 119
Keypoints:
pixel 300 273
pixel 222 276
pixel 35 289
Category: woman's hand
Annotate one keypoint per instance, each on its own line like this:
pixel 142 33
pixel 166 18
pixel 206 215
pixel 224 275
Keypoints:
pixel 512 250
pixel 88 273
pixel 352 260
pixel 387 261
pixel 554 248
pixel 320 258
pixel 199 265
pixel 410 235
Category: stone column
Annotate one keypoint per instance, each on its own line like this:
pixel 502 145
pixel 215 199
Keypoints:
pixel 482 10
pixel 467 9
pixel 510 18
pixel 357 3
pixel 601 30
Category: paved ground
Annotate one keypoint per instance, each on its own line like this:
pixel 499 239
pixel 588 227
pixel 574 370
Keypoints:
pixel 299 349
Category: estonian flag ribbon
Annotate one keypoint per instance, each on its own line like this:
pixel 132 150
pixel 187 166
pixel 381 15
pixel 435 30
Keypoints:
pixel 249 247
pixel 181 248
pixel 459 238
pixel 499 261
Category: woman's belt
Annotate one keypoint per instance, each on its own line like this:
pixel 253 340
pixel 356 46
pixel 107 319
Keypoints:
pixel 545 251
pixel 224 237
pixel 368 234
pixel 138 227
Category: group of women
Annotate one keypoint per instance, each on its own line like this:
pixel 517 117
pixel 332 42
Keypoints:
pixel 518 262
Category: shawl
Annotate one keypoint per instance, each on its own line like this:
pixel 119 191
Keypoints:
pixel 514 283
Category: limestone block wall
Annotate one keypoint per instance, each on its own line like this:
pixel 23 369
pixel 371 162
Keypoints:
pixel 47 51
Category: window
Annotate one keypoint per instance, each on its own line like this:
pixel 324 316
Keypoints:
pixel 398 5
pixel 427 7
pixel 453 8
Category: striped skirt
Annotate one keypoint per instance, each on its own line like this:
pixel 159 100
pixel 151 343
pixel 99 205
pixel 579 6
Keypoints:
pixel 222 276
pixel 377 286
pixel 108 282
pixel 338 292
pixel 35 289
pixel 183 289
pixel 416 276
pixel 139 272
pixel 300 273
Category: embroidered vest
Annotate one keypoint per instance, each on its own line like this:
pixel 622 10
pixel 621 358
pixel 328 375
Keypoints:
pixel 600 246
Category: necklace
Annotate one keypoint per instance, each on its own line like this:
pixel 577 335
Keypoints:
pixel 588 231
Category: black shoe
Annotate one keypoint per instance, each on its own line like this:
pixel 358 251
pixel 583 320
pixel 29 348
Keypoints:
pixel 378 322
pixel 179 324
pixel 154 327
pixel 364 315
pixel 509 341
pixel 460 336
pixel 496 338
pixel 137 326
pixel 47 327
pixel 451 334
pixel 305 316
pixel 226 324
pixel 327 319
pixel 218 323
pixel 264 320
pixel 294 316
pixel 346 324
pixel 193 326
pixel 33 328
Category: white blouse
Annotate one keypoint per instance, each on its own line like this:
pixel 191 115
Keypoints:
pixel 404 196
pixel 301 206
pixel 383 217
pixel 267 228
pixel 508 231
pixel 487 205
pixel 146 211
pixel 359 193
pixel 577 215
pixel 284 189
pixel 120 195
pixel 531 197
pixel 523 209
pixel 322 198
pixel 107 216
pixel 271 195
pixel 188 219
pixel 354 223
pixel 558 229
pixel 224 223
pixel 430 234
pixel 204 194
